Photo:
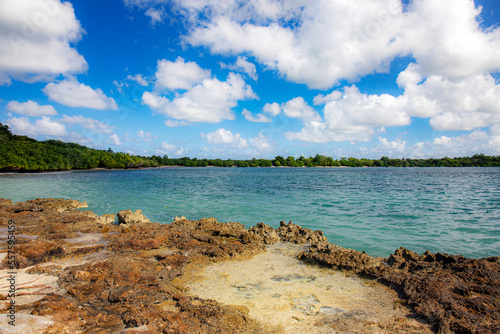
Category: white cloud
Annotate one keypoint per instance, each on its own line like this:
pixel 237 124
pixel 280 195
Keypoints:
pixel 223 136
pixel 170 149
pixel 321 99
pixel 353 117
pixel 261 143
pixel 71 93
pixel 226 139
pixel 115 140
pixel 42 127
pixel 274 109
pixel 243 65
pixel 35 38
pixel 172 124
pixel 179 74
pixel 452 104
pixel 393 149
pixel 139 78
pixel 298 108
pixel 295 36
pixel 366 37
pixel 475 142
pixel 88 124
pixel 259 118
pixel 446 39
pixel 156 15
pixel 146 136
pixel 30 108
pixel 209 101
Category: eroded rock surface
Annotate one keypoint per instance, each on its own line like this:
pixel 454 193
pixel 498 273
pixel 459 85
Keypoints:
pixel 297 234
pixel 128 217
pixel 78 273
pixel 458 295
pixel 99 277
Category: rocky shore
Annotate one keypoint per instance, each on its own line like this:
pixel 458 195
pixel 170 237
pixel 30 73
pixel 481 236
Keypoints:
pixel 76 272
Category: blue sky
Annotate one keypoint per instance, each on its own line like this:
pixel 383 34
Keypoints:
pixel 257 78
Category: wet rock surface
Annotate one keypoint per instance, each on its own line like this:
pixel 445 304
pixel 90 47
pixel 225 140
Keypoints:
pixel 81 273
pixel 456 294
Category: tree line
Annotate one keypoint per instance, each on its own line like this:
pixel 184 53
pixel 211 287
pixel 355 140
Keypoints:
pixel 24 154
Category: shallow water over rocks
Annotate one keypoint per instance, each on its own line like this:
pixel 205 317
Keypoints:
pixel 289 295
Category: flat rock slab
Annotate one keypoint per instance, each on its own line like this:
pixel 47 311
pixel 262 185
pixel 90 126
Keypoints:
pixel 24 324
pixel 289 295
pixel 29 287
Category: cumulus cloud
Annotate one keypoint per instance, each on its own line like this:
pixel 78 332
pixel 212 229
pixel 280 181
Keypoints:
pixel 243 65
pixel 321 99
pixel 173 124
pixel 273 109
pixel 170 149
pixel 139 78
pixel 298 108
pixel 36 38
pixel 295 37
pixel 115 140
pixel 451 104
pixel 352 117
pixel 366 38
pixel 446 39
pixel 42 127
pixel 259 118
pixel 30 108
pixel 227 139
pixel 179 74
pixel 71 93
pixel 223 136
pixel 464 145
pixel 261 143
pixel 393 149
pixel 88 124
pixel 209 101
pixel 146 136
pixel 156 15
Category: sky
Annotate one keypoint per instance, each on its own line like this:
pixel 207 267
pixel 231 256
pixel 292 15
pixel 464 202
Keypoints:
pixel 255 79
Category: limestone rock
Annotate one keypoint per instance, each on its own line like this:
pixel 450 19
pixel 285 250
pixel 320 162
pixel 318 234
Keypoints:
pixel 5 202
pixel 294 233
pixel 456 294
pixel 128 217
pixel 60 205
pixel 107 219
pixel 261 233
pixel 340 258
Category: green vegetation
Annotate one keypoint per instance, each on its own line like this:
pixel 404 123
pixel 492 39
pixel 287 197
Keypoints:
pixel 24 154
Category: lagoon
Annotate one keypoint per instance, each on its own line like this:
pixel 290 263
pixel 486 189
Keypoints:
pixel 377 210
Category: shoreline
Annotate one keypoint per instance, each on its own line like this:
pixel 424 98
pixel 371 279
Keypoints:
pixel 189 167
pixel 106 266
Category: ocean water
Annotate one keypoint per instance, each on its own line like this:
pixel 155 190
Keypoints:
pixel 452 210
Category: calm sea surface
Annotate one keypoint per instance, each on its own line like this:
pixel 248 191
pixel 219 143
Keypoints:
pixel 452 210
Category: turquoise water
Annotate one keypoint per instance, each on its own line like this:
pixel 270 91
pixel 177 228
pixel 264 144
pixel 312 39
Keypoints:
pixel 452 210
